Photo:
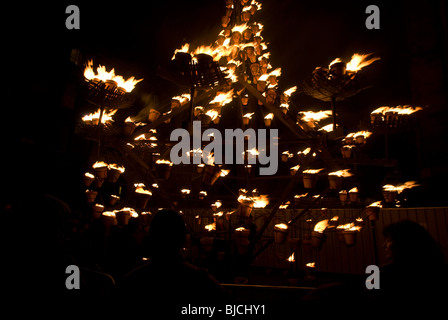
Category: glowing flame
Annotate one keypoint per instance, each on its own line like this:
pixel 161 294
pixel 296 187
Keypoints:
pixel 401 110
pixel 291 258
pixel 102 74
pixel 184 48
pixel 239 28
pixel 311 265
pixel 349 227
pixel 341 173
pixel 260 201
pixel 313 171
pixel 359 61
pixel 327 128
pixel 210 227
pixel 99 164
pixel 224 172
pixel 213 114
pixel 353 190
pixel 107 116
pixel 185 191
pixel 223 98
pixel 249 115
pixel 114 166
pixel 290 91
pixel 244 198
pixel 183 98
pixel 269 116
pixel 399 188
pixel 217 204
pixel 163 161
pixel 365 134
pixel 321 226
pixel 304 152
pixel 375 204
pixel 141 188
pixel 315 116
pixel 281 226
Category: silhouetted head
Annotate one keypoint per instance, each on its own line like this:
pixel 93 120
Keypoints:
pixel 167 233
pixel 409 242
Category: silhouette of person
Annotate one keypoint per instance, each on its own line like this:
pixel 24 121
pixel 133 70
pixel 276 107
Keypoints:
pixel 35 256
pixel 167 278
pixel 417 270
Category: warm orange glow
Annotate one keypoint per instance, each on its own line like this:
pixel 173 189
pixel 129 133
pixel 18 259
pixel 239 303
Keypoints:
pixel 341 173
pixel 210 227
pixel 141 188
pixel 291 258
pixel 304 152
pixel 102 74
pixel 261 201
pixel 99 164
pixel 94 117
pixel 399 188
pixel 315 116
pixel 163 161
pixel 114 166
pixel 359 61
pixel 223 98
pixel 321 226
pixel 213 114
pixel 313 171
pixel 375 204
pixel 290 91
pixel 281 226
pixel 269 116
pixel 311 265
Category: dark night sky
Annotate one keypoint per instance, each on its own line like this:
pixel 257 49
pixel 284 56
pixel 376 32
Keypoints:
pixel 137 37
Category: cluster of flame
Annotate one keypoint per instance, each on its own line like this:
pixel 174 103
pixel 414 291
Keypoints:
pixel 391 115
pixel 103 75
pixel 258 201
pixel 400 187
pixel 94 118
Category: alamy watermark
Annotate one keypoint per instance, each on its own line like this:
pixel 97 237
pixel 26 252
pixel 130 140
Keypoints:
pixel 237 147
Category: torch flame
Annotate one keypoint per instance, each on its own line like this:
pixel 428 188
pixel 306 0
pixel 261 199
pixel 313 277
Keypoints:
pixel 359 61
pixel 376 204
pixel 341 173
pixel 281 226
pixel 103 75
pixel 290 91
pixel 399 188
pixel 291 258
pixel 321 226
pixel 315 116
pixel 223 98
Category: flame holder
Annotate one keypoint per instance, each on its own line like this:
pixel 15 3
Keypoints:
pixel 309 180
pixel 349 237
pixel 317 239
pixel 245 208
pixel 335 182
pixel 106 95
pixel 203 73
pixel 372 213
pixel 211 174
pixel 242 241
pixel 123 217
pixel 280 235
